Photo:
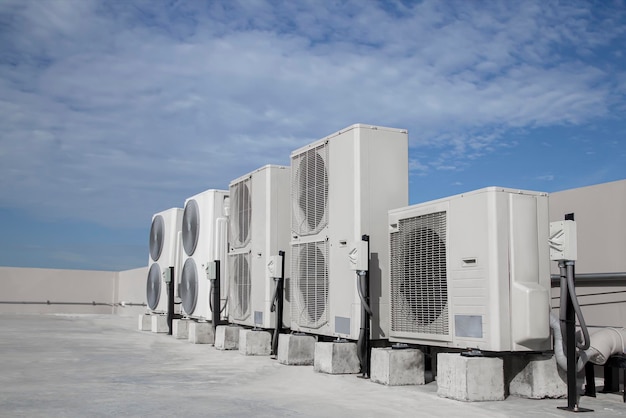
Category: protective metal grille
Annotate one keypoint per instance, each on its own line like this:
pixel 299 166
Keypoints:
pixel 153 286
pixel 241 212
pixel 157 232
pixel 189 286
pixel 419 287
pixel 309 188
pixel 241 286
pixel 309 284
pixel 191 227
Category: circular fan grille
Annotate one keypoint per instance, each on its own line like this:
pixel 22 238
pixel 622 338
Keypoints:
pixel 241 214
pixel 313 281
pixel 191 227
pixel 242 286
pixel 424 288
pixel 189 286
pixel 153 286
pixel 157 230
pixel 311 185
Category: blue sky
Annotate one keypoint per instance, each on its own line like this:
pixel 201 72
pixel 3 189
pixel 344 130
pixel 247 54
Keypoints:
pixel 113 111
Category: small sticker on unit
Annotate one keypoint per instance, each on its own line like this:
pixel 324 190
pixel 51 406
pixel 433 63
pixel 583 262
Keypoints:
pixel 342 325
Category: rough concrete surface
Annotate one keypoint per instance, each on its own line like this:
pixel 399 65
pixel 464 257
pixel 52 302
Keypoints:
pixel 180 328
pixel 296 350
pixel 102 366
pixel 535 376
pixel 470 378
pixel 336 358
pixel 254 342
pixel 201 333
pixel 227 337
pixel 159 324
pixel 397 367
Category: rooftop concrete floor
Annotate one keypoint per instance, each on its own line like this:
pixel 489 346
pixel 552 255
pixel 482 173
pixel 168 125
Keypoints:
pixel 101 365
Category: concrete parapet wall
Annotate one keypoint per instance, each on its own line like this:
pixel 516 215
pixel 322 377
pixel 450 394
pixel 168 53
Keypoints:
pixel 49 291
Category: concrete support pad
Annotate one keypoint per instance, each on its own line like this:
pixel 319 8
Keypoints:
pixel 536 376
pixel 397 367
pixel 470 378
pixel 180 329
pixel 201 333
pixel 159 324
pixel 145 322
pixel 227 337
pixel 296 350
pixel 336 358
pixel 254 343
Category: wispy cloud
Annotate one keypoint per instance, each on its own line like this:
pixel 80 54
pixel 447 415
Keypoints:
pixel 112 111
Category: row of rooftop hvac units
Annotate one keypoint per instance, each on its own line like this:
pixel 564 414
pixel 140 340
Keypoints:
pixel 468 271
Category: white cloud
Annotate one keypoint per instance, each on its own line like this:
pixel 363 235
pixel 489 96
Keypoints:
pixel 115 110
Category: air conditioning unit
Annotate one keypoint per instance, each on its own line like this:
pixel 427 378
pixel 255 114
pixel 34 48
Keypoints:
pixel 205 239
pixel 472 271
pixel 164 245
pixel 341 189
pixel 259 229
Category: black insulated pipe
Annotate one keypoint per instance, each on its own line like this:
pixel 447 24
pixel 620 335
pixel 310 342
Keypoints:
pixel 216 305
pixel 278 303
pixel 363 344
pixel 568 318
pixel 170 301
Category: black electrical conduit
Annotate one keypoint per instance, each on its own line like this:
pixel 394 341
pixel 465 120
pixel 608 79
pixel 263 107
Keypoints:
pixel 363 343
pixel 277 303
pixel 593 279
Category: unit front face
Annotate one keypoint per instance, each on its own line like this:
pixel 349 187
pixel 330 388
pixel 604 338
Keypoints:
pixel 467 272
pixel 204 241
pixel 267 213
pixel 342 188
pixel 163 244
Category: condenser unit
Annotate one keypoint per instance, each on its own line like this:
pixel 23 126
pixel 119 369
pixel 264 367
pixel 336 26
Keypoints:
pixel 163 244
pixel 259 229
pixel 472 271
pixel 205 240
pixel 342 188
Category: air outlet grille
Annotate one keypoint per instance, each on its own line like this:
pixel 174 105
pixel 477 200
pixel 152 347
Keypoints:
pixel 309 185
pixel 309 284
pixel 419 289
pixel 241 285
pixel 241 212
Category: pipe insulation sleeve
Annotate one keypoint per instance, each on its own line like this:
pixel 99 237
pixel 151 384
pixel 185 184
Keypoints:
pixel 605 343
pixel 561 358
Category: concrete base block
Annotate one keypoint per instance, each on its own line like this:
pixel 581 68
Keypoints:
pixel 145 322
pixel 254 343
pixel 159 324
pixel 397 367
pixel 296 350
pixel 201 333
pixel 336 358
pixel 227 337
pixel 470 378
pixel 536 376
pixel 180 328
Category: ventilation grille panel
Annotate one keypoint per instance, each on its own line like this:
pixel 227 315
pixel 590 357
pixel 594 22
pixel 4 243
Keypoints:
pixel 191 227
pixel 241 213
pixel 157 233
pixel 189 286
pixel 153 286
pixel 308 287
pixel 309 188
pixel 240 285
pixel 419 288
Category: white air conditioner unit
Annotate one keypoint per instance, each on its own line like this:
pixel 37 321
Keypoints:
pixel 205 230
pixel 342 188
pixel 472 271
pixel 164 233
pixel 259 229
